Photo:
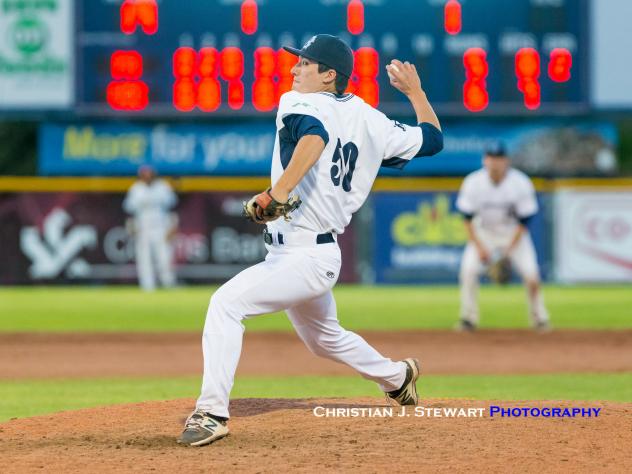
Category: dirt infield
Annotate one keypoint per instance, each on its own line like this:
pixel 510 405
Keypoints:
pixel 285 436
pixel 272 435
pixel 441 352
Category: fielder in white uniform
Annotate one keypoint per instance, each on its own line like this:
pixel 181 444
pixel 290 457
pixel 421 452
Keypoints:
pixel 497 202
pixel 329 148
pixel 150 202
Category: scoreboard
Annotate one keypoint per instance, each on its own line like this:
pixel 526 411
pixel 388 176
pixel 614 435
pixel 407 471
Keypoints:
pixel 219 58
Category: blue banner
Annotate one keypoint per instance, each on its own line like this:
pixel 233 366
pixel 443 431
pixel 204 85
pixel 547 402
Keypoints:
pixel 108 149
pixel 245 149
pixel 419 237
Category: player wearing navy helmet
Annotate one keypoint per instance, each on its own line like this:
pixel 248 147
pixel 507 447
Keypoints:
pixel 328 150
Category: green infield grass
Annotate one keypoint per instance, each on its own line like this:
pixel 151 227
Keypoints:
pixel 57 309
pixel 22 398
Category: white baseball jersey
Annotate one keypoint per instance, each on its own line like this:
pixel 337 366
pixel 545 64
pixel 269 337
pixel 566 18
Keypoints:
pixel 150 204
pixel 497 208
pixel 360 140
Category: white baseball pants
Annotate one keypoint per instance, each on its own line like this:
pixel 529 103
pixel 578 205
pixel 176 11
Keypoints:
pixel 523 259
pixel 296 276
pixel 153 255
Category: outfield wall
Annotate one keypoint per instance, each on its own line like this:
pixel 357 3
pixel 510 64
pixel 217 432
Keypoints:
pixel 72 230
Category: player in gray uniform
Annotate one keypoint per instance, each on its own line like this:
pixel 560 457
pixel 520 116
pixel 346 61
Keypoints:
pixel 329 148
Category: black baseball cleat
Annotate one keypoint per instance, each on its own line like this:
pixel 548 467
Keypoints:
pixel 202 428
pixel 465 326
pixel 407 394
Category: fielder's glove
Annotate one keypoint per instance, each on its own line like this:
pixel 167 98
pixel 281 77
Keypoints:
pixel 499 270
pixel 264 208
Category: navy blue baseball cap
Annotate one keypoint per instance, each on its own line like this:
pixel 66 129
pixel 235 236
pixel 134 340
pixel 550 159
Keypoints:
pixel 328 50
pixel 496 148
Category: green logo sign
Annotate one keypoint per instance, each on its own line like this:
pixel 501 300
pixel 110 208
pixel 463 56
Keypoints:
pixel 29 35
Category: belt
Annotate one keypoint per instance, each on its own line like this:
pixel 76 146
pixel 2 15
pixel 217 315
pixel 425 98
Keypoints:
pixel 327 238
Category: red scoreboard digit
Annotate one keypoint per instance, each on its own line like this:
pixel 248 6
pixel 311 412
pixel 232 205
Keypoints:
pixel 264 95
pixel 209 96
pixel 452 17
pixel 127 91
pixel 528 72
pixel 184 87
pixel 143 13
pixel 355 17
pixel 366 67
pixel 475 96
pixel 560 65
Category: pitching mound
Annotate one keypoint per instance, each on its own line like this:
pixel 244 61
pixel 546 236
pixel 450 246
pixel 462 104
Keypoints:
pixel 281 435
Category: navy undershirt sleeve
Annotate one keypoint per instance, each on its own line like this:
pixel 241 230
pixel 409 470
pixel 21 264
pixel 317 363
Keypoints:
pixel 432 140
pixel 299 125
pixel 467 216
pixel 525 220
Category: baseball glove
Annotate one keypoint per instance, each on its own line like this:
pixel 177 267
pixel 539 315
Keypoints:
pixel 499 271
pixel 264 208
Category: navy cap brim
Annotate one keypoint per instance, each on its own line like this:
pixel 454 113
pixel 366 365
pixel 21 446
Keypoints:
pixel 299 52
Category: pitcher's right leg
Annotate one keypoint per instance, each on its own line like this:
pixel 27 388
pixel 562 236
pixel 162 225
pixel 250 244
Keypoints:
pixel 316 323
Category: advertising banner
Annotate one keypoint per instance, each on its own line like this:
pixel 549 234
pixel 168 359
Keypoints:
pixel 50 238
pixel 540 148
pixel 36 54
pixel 593 236
pixel 419 237
pixel 609 75
pixel 112 149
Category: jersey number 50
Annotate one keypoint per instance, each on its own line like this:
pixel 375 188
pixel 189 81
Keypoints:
pixel 344 161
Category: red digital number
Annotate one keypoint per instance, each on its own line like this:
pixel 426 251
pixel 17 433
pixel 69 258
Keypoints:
pixel 475 95
pixel 285 63
pixel 528 72
pixel 366 67
pixel 560 62
pixel 232 70
pixel 209 96
pixel 452 17
pixel 355 17
pixel 126 65
pixel 264 95
pixel 139 12
pixel 249 17
pixel 127 91
pixel 184 87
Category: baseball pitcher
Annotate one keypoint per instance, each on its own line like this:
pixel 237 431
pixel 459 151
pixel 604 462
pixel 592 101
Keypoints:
pixel 497 202
pixel 328 150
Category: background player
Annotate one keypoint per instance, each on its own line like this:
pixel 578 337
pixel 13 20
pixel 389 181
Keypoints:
pixel 150 201
pixel 497 202
pixel 328 150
